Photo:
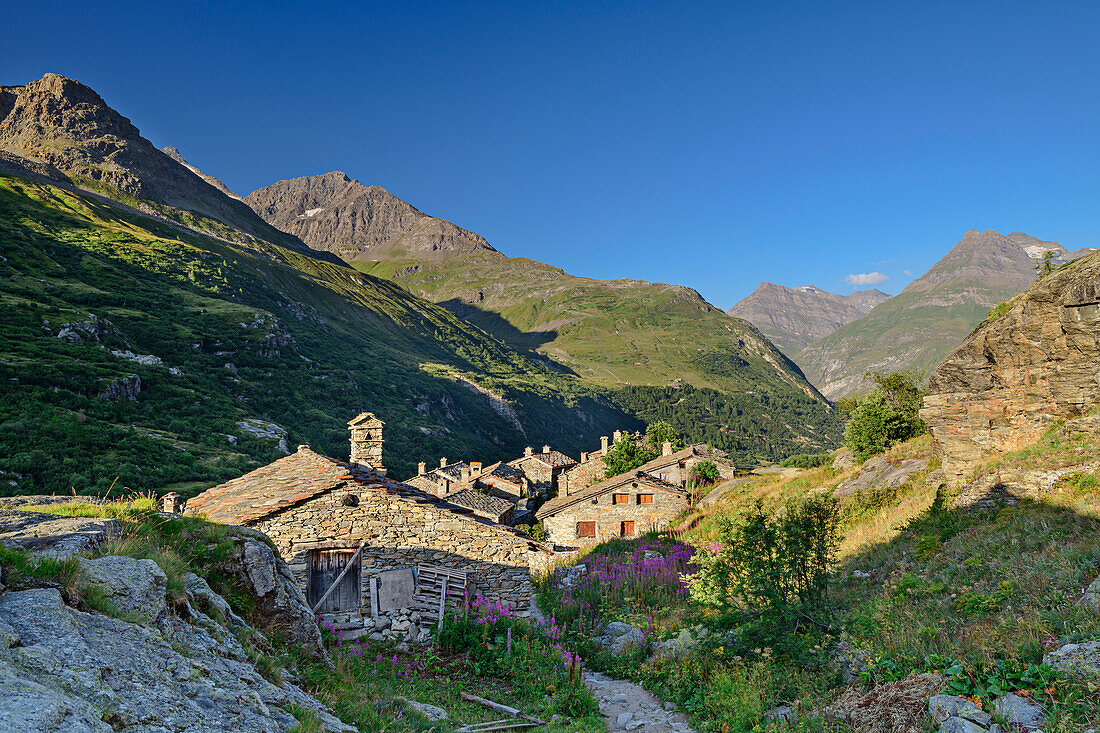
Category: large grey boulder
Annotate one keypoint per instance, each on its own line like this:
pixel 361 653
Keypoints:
pixel 1082 660
pixel 54 536
pixel 882 473
pixel 199 593
pixel 620 636
pixel 280 599
pixel 1020 712
pixel 73 671
pixel 134 587
pixel 944 707
pixel 960 725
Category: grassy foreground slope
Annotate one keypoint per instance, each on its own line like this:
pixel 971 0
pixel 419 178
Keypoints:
pixel 248 331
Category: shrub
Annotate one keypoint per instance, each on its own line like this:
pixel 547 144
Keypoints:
pixel 777 566
pixel 804 460
pixel 885 416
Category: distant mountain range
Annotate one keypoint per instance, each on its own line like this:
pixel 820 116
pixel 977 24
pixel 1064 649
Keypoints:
pixel 793 317
pixel 918 327
pixel 158 330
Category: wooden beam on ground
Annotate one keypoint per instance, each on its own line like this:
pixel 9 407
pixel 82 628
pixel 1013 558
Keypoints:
pixel 507 710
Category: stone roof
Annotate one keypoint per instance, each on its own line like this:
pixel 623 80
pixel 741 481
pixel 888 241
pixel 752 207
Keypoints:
pixel 481 503
pixel 681 455
pixel 296 478
pixel 554 459
pixel 558 503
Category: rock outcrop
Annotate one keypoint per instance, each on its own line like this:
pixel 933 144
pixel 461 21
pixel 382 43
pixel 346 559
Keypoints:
pixel 1016 374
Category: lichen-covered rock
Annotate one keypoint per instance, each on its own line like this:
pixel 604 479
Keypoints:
pixel 1082 660
pixel 123 388
pixel 1019 712
pixel 882 473
pixel 1002 388
pixel 134 587
pixel 201 595
pixel 73 671
pixel 1091 598
pixel 280 599
pixel 54 536
pixel 944 707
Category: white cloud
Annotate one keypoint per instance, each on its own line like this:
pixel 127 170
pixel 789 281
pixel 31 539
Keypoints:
pixel 866 278
pixel 907 273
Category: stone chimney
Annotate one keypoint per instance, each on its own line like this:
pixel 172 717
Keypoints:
pixel 475 468
pixel 464 473
pixel 618 435
pixel 584 457
pixel 443 462
pixel 545 449
pixel 366 442
pixel 528 452
pixel 421 468
pixel 171 504
pixel 603 444
pixel 666 448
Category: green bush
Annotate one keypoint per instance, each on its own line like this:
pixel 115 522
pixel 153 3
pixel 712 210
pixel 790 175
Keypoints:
pixel 885 416
pixel 777 567
pixel 803 460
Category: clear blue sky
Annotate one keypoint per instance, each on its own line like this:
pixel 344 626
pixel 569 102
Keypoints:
pixel 710 144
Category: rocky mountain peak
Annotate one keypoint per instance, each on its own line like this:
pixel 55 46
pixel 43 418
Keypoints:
pixel 337 213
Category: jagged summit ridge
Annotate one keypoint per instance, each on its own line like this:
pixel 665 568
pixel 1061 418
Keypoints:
pixel 793 317
pixel 337 213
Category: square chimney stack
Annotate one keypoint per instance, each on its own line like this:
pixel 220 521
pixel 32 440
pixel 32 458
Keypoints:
pixel 366 442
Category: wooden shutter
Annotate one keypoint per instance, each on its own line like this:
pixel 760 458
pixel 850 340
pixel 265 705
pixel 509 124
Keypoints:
pixel 586 529
pixel 620 498
pixel 645 498
pixel 626 529
pixel 324 567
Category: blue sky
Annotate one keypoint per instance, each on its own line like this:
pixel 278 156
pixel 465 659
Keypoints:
pixel 710 144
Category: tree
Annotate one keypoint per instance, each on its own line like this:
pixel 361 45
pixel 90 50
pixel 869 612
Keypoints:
pixel 1044 265
pixel 705 472
pixel 627 455
pixel 660 432
pixel 885 416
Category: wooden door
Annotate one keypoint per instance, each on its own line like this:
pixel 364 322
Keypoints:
pixel 324 567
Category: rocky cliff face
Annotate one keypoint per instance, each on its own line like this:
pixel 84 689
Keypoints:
pixel 1001 389
pixel 65 129
pixel 335 213
pixel 918 327
pixel 793 317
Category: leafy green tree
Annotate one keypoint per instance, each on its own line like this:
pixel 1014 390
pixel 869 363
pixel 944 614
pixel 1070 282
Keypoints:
pixel 626 455
pixel 885 416
pixel 705 472
pixel 660 432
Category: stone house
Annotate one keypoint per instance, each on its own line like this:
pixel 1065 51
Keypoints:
pixel 543 469
pixel 624 506
pixel 372 554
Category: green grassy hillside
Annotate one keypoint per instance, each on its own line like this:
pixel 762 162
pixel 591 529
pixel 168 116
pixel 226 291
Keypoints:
pixel 610 331
pixel 244 332
pixel 256 331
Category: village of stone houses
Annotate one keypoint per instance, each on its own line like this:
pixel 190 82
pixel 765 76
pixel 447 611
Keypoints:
pixel 312 460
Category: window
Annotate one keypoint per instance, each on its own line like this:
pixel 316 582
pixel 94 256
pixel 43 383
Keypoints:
pixel 325 566
pixel 626 529
pixel 645 498
pixel 620 498
pixel 586 529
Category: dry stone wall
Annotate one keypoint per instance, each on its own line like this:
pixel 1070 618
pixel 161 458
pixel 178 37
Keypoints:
pixel 1011 378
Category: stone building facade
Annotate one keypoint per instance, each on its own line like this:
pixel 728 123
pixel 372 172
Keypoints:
pixel 325 516
pixel 624 506
pixel 543 469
